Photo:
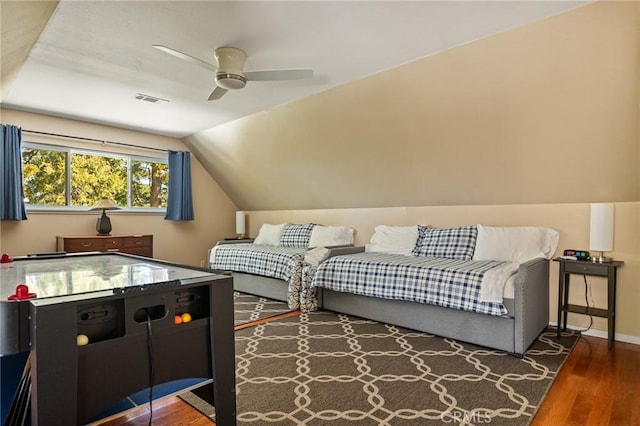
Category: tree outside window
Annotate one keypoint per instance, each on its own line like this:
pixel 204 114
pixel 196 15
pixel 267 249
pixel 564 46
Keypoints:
pixel 76 178
pixel 149 184
pixel 44 176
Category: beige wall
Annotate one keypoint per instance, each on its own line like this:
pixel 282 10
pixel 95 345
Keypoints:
pixel 545 113
pixel 184 242
pixel 570 220
pixel 523 128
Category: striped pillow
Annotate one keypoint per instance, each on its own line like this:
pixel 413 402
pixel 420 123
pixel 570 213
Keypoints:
pixel 449 243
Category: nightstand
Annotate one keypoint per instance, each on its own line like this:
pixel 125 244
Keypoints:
pixel 236 241
pixel 585 267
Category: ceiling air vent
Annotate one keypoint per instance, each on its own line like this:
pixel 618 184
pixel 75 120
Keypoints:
pixel 150 99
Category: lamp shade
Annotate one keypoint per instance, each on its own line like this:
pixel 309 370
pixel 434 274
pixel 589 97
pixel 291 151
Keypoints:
pixel 601 227
pixel 240 225
pixel 105 204
pixel 103 225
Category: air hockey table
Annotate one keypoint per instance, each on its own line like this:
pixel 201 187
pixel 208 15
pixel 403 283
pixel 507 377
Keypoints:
pixel 101 326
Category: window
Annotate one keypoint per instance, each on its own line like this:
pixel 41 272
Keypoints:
pixel 66 177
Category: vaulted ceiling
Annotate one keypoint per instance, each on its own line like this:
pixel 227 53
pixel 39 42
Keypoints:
pixel 90 60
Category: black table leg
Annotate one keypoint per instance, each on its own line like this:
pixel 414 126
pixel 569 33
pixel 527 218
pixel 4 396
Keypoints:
pixel 611 306
pixel 223 353
pixel 560 298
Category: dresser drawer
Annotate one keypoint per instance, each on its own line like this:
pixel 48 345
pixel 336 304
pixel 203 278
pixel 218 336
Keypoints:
pixel 113 244
pixel 138 241
pixel 141 245
pixel 586 268
pixel 73 245
pixel 139 251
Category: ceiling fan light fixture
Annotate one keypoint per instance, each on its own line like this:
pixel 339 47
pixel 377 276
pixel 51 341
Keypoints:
pixel 230 81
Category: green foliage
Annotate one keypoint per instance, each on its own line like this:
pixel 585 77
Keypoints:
pixel 92 177
pixel 44 176
pixel 149 184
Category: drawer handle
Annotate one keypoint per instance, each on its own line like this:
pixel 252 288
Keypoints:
pixel 86 243
pixel 584 268
pixel 114 250
pixel 138 242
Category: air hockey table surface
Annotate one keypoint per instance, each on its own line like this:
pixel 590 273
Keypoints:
pixel 74 277
pixel 114 299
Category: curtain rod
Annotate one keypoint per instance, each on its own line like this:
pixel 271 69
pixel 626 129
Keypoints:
pixel 102 141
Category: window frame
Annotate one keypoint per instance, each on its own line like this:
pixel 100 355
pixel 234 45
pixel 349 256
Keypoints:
pixel 69 151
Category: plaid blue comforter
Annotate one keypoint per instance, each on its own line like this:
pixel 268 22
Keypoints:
pixel 284 263
pixel 443 282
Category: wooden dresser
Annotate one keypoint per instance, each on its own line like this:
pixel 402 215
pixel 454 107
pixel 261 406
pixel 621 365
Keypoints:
pixel 141 245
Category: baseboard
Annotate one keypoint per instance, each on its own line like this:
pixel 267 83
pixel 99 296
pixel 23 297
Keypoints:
pixel 603 334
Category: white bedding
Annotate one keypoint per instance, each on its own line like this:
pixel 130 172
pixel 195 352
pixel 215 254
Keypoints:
pixel 497 283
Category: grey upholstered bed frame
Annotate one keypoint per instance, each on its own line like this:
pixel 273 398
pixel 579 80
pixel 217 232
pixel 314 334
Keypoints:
pixel 528 310
pixel 528 313
pixel 257 285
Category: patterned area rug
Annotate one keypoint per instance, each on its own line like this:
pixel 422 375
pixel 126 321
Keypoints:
pixel 323 367
pixel 248 308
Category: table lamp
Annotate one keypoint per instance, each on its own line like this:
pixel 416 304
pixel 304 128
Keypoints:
pixel 240 225
pixel 601 230
pixel 103 226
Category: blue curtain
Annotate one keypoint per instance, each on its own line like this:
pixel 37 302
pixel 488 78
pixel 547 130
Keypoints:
pixel 180 201
pixel 11 191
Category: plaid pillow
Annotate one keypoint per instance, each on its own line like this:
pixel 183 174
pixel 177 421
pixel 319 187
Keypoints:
pixel 449 243
pixel 296 235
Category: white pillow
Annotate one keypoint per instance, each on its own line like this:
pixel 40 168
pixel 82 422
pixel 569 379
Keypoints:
pixel 393 239
pixel 269 234
pixel 327 236
pixel 515 244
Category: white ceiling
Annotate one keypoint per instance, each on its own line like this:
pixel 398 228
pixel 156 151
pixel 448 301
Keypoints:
pixel 93 57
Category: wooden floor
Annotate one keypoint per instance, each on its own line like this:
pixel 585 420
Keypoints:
pixel 595 387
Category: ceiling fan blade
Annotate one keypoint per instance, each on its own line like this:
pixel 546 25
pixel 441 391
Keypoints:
pixel 217 93
pixel 273 75
pixel 186 57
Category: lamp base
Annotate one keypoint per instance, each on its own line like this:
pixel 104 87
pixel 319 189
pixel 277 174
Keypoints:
pixel 103 225
pixel 601 259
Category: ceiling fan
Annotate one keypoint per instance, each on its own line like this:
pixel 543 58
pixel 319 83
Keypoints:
pixel 229 71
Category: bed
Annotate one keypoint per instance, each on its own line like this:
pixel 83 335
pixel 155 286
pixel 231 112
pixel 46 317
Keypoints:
pixel 408 285
pixel 268 271
pixel 280 262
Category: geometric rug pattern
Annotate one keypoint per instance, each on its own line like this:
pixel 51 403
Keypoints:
pixel 323 367
pixel 248 308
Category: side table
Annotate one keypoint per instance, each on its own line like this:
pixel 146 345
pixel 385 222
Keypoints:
pixel 232 240
pixel 585 267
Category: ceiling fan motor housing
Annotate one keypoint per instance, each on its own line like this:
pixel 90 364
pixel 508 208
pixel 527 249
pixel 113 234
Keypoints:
pixel 230 63
pixel 230 81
